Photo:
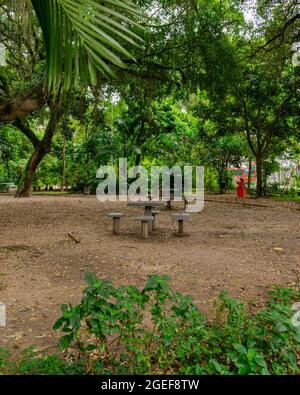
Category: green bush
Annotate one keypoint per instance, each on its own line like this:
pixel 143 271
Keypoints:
pixel 155 330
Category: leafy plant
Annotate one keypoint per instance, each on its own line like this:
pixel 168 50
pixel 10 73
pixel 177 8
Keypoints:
pixel 86 35
pixel 158 330
pixel 155 330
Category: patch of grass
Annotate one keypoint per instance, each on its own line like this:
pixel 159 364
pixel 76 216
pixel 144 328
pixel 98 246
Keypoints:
pixel 287 198
pixel 31 363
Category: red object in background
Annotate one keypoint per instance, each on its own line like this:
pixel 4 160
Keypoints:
pixel 241 188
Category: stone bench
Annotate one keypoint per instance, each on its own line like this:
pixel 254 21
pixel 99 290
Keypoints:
pixel 188 199
pixel 180 218
pixel 154 214
pixel 116 222
pixel 145 221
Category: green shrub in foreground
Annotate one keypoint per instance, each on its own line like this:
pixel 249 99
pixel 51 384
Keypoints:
pixel 156 330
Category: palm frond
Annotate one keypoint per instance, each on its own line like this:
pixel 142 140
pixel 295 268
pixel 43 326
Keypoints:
pixel 82 38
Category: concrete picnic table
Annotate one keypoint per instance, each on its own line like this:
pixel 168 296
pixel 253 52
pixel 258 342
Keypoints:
pixel 149 205
pixel 171 194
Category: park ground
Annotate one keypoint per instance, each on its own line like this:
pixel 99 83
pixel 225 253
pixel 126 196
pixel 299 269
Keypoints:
pixel 48 242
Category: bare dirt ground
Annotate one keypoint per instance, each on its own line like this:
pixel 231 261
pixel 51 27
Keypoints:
pixel 229 247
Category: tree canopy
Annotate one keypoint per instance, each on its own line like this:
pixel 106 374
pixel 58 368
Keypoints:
pixel 86 82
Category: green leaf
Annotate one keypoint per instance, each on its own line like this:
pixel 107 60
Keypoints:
pixel 80 39
pixel 241 349
pixel 215 364
pixel 59 323
pixel 89 278
pixel 65 341
pixel 292 357
pixel 64 307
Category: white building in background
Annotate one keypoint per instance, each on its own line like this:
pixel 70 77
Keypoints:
pixel 289 170
pixel 285 177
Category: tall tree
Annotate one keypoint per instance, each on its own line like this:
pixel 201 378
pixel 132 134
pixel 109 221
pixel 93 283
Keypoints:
pixel 80 43
pixel 41 147
pixel 269 109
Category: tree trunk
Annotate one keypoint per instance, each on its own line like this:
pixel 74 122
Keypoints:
pixel 138 159
pixel 86 190
pixel 249 174
pixel 24 188
pixel 63 175
pixel 41 148
pixel 259 183
pixel 222 182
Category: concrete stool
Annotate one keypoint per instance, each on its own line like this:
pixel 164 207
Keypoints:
pixel 154 214
pixel 145 220
pixel 181 218
pixel 148 213
pixel 116 222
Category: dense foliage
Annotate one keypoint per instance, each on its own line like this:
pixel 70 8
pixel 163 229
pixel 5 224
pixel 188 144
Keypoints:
pixel 212 84
pixel 155 330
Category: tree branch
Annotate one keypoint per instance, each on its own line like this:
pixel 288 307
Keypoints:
pixel 280 33
pixel 19 106
pixel 25 129
pixel 55 114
